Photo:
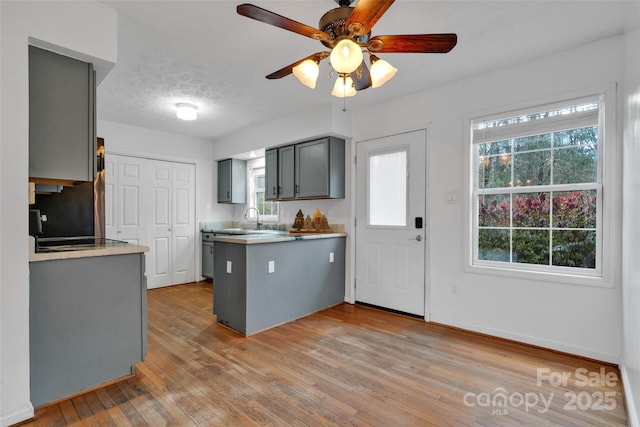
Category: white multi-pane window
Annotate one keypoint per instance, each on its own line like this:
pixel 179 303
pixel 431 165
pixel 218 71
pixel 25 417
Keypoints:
pixel 537 189
pixel 268 209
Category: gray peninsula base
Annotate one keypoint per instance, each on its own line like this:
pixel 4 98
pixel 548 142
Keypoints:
pixel 307 276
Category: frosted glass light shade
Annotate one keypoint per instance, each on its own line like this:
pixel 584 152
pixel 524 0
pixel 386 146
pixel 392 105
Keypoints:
pixel 381 72
pixel 343 87
pixel 346 56
pixel 187 111
pixel 307 72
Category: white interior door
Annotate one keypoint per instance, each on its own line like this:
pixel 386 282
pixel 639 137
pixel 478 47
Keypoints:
pixel 159 226
pixel 152 203
pixel 390 203
pixel 128 224
pixel 183 223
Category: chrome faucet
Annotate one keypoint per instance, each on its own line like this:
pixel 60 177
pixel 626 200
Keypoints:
pixel 258 223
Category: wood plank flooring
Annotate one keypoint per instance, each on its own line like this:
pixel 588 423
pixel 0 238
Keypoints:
pixel 345 366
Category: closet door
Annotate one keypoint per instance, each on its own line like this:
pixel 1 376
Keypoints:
pixel 183 223
pixel 159 258
pixel 152 203
pixel 124 189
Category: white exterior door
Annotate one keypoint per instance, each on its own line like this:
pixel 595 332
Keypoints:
pixel 390 221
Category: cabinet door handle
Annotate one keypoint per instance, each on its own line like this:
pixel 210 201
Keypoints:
pixel 274 190
pixel 228 195
pixel 297 189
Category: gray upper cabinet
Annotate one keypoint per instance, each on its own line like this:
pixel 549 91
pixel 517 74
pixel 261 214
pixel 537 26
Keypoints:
pixel 62 139
pixel 307 170
pixel 232 181
pixel 286 165
pixel 319 169
pixel 271 174
pixel 279 173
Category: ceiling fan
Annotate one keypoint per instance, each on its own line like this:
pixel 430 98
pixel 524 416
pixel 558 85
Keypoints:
pixel 346 31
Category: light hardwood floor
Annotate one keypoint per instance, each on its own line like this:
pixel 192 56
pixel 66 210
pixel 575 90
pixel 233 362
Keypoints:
pixel 345 366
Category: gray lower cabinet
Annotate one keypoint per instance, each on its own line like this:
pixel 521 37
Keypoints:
pixel 249 299
pixel 87 323
pixel 232 181
pixel 207 255
pixel 62 138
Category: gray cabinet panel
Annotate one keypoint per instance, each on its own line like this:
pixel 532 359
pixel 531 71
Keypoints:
pixel 250 299
pixel 232 181
pixel 307 170
pixel 207 259
pixel 286 167
pixel 87 323
pixel 271 174
pixel 312 169
pixel 62 142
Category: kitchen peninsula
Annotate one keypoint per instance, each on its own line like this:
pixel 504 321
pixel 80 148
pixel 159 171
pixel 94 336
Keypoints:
pixel 264 280
pixel 87 314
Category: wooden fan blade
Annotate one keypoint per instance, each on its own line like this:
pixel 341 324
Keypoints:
pixel 366 14
pixel 413 43
pixel 283 72
pixel 361 77
pixel 271 18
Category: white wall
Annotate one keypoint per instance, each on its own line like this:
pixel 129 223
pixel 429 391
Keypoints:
pixel 136 141
pixel 71 26
pixel 578 319
pixel 631 239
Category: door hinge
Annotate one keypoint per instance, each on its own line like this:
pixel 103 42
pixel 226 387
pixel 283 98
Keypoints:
pixel 355 159
pixel 355 221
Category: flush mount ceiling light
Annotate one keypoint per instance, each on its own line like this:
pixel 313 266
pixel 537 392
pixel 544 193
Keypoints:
pixel 346 32
pixel 186 111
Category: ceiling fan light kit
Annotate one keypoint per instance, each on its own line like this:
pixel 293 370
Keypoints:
pixel 307 72
pixel 346 31
pixel 344 87
pixel 381 71
pixel 346 56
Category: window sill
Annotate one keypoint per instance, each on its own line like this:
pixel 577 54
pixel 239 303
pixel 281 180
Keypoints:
pixel 598 281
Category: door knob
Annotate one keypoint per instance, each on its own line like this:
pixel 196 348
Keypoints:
pixel 418 238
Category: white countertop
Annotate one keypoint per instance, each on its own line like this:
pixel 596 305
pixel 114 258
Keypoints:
pixel 275 237
pixel 123 249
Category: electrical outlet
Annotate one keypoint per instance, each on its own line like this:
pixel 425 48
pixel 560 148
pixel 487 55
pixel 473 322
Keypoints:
pixel 454 289
pixel 271 267
pixel 228 267
pixel 331 257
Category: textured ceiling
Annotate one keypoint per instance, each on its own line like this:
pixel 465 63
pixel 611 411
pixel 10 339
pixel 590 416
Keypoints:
pixel 204 53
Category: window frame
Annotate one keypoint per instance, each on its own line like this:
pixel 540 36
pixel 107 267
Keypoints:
pixel 252 166
pixel 609 198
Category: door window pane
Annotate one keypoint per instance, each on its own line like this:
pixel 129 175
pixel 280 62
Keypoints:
pixel 388 189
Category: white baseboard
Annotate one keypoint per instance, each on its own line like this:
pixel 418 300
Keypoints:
pixel 21 414
pixel 540 342
pixel 632 411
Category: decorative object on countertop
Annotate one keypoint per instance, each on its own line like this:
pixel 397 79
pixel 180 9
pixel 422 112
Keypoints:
pixel 317 224
pixel 308 223
pixel 298 223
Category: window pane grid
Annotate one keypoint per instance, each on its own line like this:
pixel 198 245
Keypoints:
pixel 537 196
